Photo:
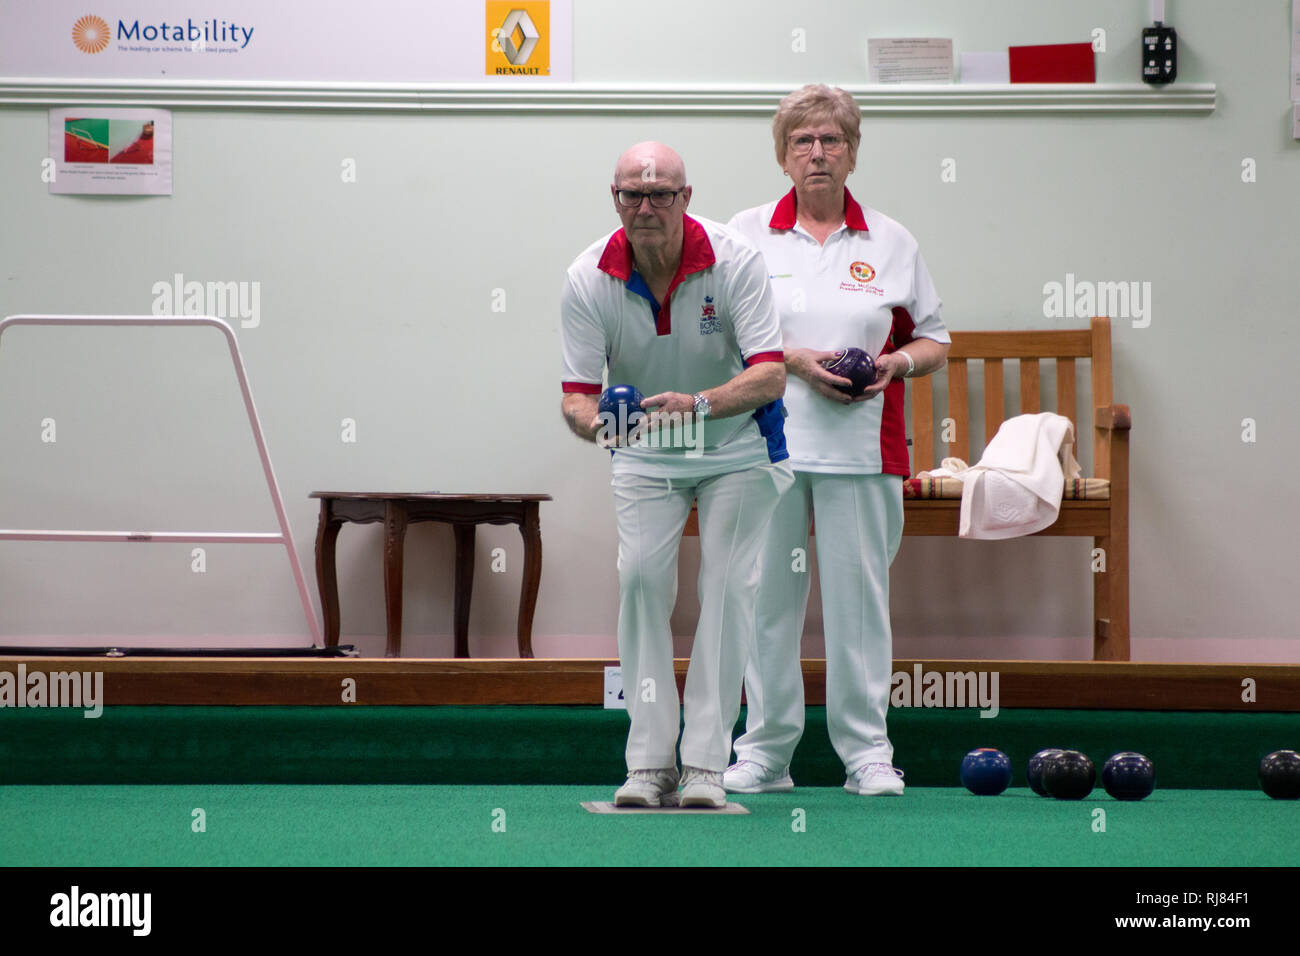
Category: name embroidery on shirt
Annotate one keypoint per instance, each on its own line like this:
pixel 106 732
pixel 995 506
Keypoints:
pixel 863 273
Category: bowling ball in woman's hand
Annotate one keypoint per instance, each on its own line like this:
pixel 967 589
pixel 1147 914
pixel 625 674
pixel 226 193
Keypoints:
pixel 855 365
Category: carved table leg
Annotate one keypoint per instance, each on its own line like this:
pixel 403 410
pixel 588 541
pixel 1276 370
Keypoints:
pixel 532 535
pixel 394 539
pixel 327 581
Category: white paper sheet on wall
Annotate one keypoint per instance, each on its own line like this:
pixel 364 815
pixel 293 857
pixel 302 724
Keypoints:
pixel 909 60
pixel 986 67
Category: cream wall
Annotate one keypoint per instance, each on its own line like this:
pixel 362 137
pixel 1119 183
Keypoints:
pixel 376 305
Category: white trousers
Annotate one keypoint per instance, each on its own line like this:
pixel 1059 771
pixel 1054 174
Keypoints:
pixel 859 527
pixel 734 509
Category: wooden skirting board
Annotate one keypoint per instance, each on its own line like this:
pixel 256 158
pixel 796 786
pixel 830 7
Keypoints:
pixel 415 681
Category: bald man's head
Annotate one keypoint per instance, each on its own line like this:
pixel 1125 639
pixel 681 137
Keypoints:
pixel 651 196
pixel 649 163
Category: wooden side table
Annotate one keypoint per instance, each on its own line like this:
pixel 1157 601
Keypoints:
pixel 464 513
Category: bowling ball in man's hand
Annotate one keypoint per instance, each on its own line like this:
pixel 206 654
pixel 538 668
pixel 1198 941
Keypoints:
pixel 855 365
pixel 620 413
pixel 622 395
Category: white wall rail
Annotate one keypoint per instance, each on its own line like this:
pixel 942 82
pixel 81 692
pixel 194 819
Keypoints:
pixel 605 98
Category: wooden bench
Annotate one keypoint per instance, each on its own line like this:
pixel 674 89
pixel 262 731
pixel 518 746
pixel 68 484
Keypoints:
pixel 1103 516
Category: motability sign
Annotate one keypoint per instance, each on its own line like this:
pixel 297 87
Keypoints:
pixel 439 40
pixel 197 34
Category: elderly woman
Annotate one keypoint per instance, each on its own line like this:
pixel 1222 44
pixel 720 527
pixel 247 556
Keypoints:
pixel 843 275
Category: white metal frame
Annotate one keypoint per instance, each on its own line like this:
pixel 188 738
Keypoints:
pixel 284 536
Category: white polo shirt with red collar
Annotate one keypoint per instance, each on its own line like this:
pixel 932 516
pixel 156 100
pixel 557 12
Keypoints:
pixel 717 318
pixel 866 287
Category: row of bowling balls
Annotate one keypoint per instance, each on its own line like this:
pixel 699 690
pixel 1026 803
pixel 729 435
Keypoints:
pixel 1070 774
pixel 1064 774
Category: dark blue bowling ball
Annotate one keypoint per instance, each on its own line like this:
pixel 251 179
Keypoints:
pixel 1034 770
pixel 855 365
pixel 986 772
pixel 1279 775
pixel 1069 775
pixel 623 402
pixel 1129 776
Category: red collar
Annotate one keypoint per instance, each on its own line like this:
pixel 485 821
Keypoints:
pixel 697 252
pixel 786 213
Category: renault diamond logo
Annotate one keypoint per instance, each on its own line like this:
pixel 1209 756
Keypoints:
pixel 518 48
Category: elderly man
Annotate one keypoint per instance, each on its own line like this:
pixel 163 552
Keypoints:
pixel 681 309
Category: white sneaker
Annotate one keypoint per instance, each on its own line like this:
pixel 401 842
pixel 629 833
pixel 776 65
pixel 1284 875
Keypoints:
pixel 875 780
pixel 648 788
pixel 702 788
pixel 749 776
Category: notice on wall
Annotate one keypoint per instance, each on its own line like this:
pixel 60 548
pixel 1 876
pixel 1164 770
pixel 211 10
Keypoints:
pixel 124 152
pixel 909 60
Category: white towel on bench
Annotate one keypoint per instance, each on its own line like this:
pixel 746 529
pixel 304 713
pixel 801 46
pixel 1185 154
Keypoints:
pixel 1016 488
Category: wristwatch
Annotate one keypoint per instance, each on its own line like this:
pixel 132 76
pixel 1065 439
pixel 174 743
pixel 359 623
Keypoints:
pixel 701 407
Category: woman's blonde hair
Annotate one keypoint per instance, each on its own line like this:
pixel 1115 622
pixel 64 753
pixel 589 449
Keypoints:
pixel 812 103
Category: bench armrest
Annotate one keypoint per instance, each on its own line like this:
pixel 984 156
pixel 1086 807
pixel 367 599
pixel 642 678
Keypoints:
pixel 1113 418
pixel 1111 425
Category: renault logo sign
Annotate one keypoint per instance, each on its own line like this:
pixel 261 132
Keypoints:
pixel 518 22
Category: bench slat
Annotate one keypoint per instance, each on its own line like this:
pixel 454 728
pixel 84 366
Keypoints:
pixel 923 419
pixel 1030 401
pixel 959 409
pixel 1067 403
pixel 1101 393
pixel 1101 382
pixel 994 403
pixel 1086 519
pixel 1052 343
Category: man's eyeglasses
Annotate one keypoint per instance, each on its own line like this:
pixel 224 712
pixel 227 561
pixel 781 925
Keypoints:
pixel 831 143
pixel 660 198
